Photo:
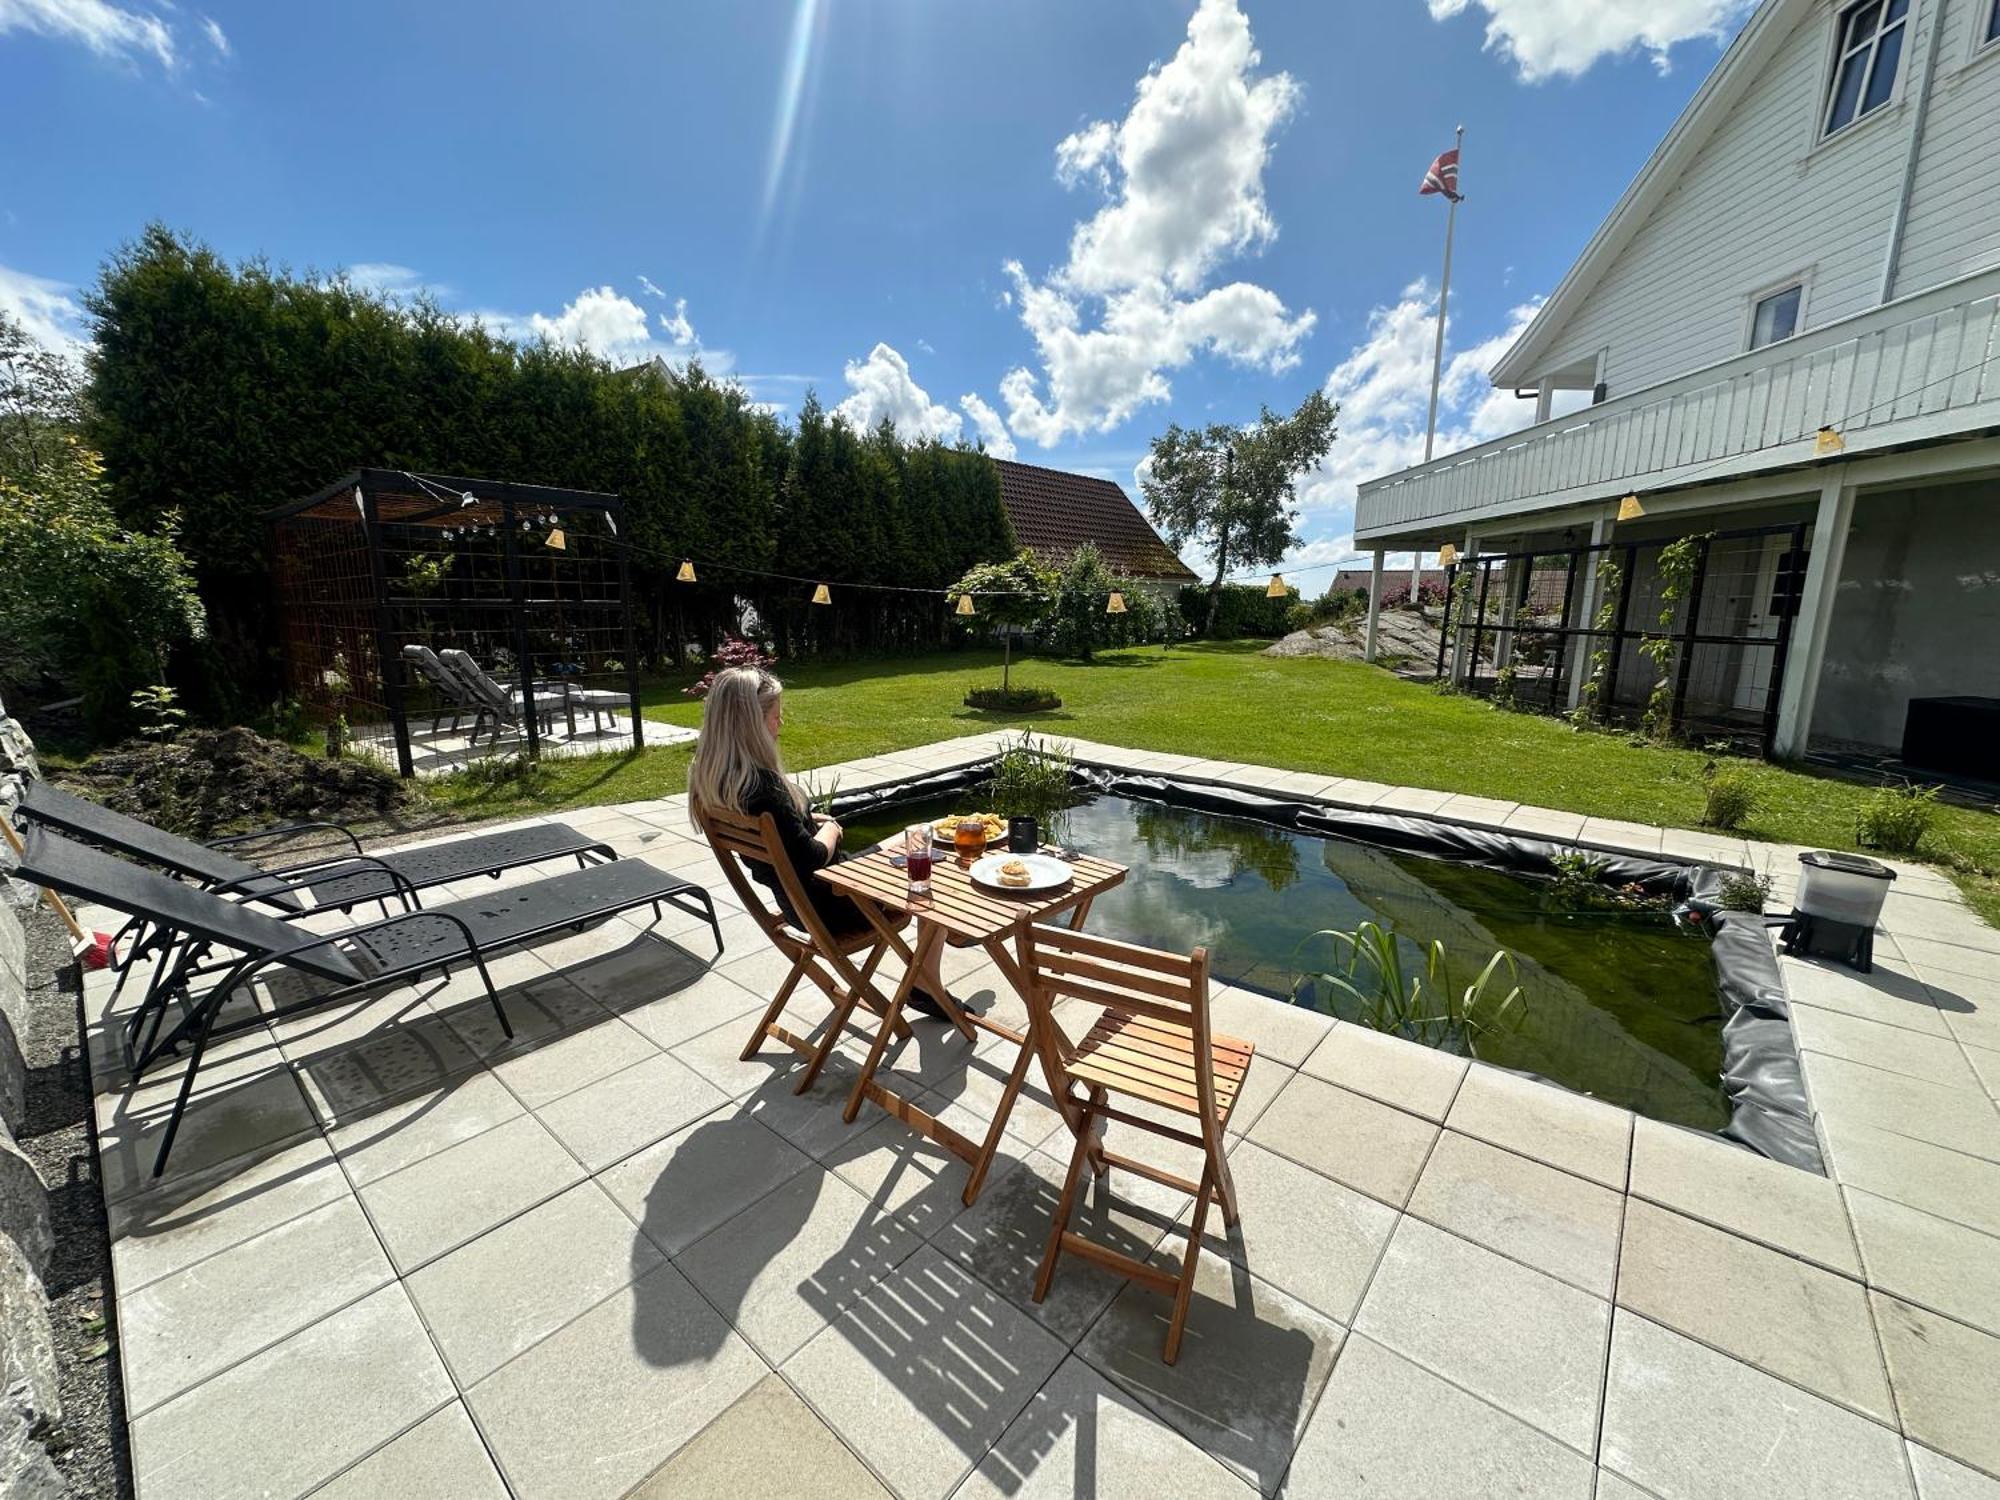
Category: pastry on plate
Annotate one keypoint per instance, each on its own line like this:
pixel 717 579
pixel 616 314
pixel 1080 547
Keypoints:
pixel 1015 873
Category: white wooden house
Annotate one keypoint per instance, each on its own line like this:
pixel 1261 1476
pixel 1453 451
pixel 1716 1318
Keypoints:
pixel 1790 321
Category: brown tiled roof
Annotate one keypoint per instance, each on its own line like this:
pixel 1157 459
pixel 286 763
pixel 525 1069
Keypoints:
pixel 1055 513
pixel 1357 578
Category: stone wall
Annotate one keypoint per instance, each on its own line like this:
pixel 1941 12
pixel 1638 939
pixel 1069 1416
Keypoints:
pixel 30 1405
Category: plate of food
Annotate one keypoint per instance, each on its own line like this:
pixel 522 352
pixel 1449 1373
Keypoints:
pixel 1020 872
pixel 945 830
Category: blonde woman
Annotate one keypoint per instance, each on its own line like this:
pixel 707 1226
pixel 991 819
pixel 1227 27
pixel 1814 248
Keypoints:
pixel 736 767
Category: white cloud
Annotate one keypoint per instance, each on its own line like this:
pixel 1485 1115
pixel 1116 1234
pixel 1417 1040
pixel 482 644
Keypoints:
pixel 601 321
pixel 386 277
pixel 678 329
pixel 215 35
pixel 1563 38
pixel 987 424
pixel 1383 387
pixel 45 310
pixel 650 290
pixel 106 29
pixel 1183 178
pixel 882 386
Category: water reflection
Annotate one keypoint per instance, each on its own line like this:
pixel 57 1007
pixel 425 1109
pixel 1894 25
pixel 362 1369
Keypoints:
pixel 1618 1003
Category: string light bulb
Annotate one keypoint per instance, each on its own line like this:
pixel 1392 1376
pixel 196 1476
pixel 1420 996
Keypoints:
pixel 1115 605
pixel 822 594
pixel 965 605
pixel 686 573
pixel 1276 588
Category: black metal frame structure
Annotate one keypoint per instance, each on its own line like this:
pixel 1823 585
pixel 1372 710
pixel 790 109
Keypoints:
pixel 381 559
pixel 1530 625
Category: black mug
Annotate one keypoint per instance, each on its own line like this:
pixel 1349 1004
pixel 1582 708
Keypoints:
pixel 1022 836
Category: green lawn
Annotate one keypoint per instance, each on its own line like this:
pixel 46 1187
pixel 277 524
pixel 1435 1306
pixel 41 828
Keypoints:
pixel 1233 703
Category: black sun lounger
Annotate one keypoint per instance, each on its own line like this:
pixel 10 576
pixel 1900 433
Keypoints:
pixel 396 947
pixel 341 880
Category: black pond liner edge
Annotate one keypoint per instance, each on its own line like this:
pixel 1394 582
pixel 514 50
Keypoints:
pixel 1761 1074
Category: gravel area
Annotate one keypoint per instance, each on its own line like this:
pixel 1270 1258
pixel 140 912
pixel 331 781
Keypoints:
pixel 57 1136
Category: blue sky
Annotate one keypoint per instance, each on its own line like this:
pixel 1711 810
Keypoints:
pixel 1055 225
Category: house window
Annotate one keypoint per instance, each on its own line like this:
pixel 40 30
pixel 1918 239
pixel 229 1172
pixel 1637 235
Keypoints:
pixel 1864 68
pixel 1993 23
pixel 1776 317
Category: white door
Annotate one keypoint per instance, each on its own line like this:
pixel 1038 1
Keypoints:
pixel 1753 670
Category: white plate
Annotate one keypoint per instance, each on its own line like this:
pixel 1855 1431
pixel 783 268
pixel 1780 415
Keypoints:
pixel 1045 872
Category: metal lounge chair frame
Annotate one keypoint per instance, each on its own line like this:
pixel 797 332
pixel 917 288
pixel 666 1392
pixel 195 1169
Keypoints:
pixel 338 881
pixel 454 696
pixel 493 702
pixel 401 946
pixel 815 953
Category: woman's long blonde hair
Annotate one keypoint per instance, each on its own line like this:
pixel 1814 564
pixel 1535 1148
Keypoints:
pixel 736 745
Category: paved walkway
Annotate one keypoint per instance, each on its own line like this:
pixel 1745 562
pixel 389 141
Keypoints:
pixel 393 1256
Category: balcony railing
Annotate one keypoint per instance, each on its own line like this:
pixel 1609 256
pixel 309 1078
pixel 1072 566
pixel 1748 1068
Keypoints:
pixel 1923 367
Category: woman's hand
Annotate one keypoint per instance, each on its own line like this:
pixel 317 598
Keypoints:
pixel 828 834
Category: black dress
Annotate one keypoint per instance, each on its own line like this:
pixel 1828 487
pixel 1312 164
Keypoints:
pixel 769 794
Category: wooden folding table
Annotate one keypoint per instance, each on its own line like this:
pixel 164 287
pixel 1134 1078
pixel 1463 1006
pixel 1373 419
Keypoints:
pixel 957 909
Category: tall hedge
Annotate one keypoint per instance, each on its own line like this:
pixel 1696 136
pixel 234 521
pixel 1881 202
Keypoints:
pixel 219 391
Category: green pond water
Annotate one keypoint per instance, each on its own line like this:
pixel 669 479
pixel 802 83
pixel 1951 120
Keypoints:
pixel 1620 1005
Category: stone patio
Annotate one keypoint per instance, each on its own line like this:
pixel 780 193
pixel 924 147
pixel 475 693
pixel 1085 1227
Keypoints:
pixel 397 1255
pixel 442 750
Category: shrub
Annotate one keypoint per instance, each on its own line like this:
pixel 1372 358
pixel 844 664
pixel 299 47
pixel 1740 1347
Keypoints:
pixel 1744 890
pixel 733 652
pixel 1730 796
pixel 1013 700
pixel 1244 609
pixel 1895 819
pixel 1032 780
pixel 83 597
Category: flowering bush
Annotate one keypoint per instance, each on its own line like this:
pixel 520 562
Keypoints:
pixel 1397 595
pixel 733 652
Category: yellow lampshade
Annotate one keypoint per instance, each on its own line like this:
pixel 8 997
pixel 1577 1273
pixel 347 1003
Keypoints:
pixel 686 574
pixel 1447 555
pixel 1829 441
pixel 1629 509
pixel 1115 605
pixel 557 540
pixel 821 594
pixel 1276 589
pixel 965 605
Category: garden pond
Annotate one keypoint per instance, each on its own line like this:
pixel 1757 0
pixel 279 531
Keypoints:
pixel 1617 1003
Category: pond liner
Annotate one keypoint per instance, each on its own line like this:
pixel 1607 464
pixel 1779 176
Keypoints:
pixel 1761 1075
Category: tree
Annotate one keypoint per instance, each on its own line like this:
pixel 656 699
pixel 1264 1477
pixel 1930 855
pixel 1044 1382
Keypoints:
pixel 1230 489
pixel 1015 594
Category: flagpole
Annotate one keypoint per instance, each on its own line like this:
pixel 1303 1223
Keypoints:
pixel 1437 356
pixel 1444 296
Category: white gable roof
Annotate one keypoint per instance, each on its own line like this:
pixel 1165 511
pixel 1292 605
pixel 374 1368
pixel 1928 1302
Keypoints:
pixel 1732 76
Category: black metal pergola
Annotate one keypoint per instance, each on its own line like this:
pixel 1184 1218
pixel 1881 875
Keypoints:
pixel 383 571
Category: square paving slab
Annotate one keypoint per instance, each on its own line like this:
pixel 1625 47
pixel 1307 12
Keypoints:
pixel 398 1254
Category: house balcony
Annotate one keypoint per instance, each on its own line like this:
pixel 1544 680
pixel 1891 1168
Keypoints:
pixel 1917 370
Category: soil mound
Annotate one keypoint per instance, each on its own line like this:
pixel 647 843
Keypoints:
pixel 211 781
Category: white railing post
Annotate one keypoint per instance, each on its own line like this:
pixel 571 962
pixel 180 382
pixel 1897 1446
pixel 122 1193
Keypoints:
pixel 1807 652
pixel 1374 604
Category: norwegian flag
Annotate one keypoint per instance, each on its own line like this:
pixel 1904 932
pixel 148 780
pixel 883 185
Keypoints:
pixel 1442 176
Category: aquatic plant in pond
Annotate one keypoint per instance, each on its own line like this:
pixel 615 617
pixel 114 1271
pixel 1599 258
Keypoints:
pixel 1372 985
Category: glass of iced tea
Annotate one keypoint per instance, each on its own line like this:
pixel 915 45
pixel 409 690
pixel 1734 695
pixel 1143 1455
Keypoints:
pixel 970 836
pixel 917 857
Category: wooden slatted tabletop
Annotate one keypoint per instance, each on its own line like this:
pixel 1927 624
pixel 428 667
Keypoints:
pixel 961 908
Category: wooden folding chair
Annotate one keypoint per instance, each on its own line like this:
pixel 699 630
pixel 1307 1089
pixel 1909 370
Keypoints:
pixel 1150 1043
pixel 815 952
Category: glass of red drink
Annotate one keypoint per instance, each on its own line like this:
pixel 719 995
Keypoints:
pixel 917 856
